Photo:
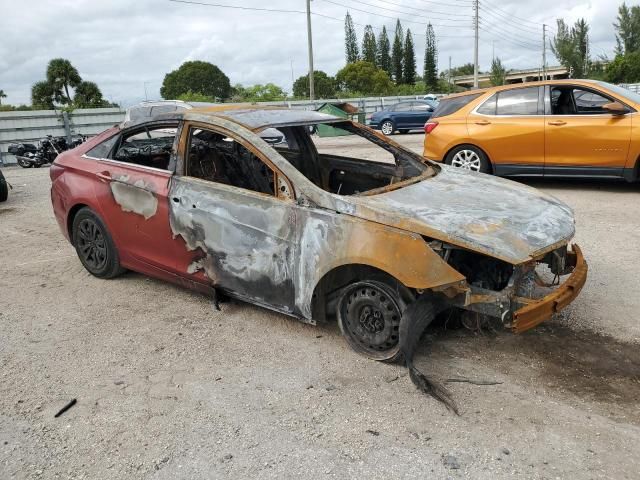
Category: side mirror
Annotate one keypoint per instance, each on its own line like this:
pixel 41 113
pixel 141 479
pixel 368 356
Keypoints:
pixel 615 108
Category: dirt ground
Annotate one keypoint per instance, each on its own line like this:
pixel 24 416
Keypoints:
pixel 167 387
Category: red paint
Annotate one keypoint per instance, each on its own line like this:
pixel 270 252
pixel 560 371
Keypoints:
pixel 144 245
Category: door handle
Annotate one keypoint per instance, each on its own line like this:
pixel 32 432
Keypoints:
pixel 104 176
pixel 483 122
pixel 558 122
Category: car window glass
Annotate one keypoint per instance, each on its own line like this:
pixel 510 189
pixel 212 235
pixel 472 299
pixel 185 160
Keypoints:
pixel 103 148
pixel 147 146
pixel 519 101
pixel 448 106
pixel 402 107
pixel 489 106
pixel 422 107
pixel 588 102
pixel 218 158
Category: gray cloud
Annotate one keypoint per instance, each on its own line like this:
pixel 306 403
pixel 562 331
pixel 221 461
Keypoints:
pixel 126 46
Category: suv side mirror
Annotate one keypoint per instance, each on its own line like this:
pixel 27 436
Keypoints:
pixel 615 108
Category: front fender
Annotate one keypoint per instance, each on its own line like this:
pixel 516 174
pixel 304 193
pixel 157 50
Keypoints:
pixel 331 240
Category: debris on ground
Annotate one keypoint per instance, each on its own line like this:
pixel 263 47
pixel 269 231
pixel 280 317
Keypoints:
pixel 415 320
pixel 473 382
pixel 66 407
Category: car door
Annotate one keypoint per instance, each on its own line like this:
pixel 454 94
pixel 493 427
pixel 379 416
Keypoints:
pixel 132 189
pixel 421 112
pixel 581 137
pixel 402 115
pixel 238 227
pixel 509 127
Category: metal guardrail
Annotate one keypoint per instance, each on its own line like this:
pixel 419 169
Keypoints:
pixel 31 126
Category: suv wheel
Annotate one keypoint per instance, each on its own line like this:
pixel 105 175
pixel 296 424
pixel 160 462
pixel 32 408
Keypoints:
pixel 94 245
pixel 469 157
pixel 387 127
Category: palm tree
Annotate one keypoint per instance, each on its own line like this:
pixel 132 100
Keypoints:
pixel 61 75
pixel 2 95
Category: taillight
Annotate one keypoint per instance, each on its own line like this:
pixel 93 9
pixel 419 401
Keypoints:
pixel 429 127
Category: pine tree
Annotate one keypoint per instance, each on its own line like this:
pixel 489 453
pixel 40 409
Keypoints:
pixel 431 60
pixel 384 51
pixel 409 61
pixel 369 45
pixel 350 41
pixel 397 55
pixel 498 72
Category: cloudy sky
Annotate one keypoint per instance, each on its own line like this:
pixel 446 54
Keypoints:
pixel 127 47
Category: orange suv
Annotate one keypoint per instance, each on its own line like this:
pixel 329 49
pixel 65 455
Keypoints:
pixel 553 128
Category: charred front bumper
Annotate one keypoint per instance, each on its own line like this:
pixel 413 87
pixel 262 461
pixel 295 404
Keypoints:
pixel 517 305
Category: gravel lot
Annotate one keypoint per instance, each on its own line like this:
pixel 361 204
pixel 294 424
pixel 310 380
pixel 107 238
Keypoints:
pixel 167 387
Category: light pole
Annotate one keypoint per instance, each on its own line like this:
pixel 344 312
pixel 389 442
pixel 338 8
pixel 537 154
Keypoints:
pixel 310 42
pixel 475 46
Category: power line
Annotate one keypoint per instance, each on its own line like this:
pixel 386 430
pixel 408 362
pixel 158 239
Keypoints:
pixel 504 29
pixel 387 16
pixel 509 14
pixel 447 15
pixel 378 27
pixel 505 18
pixel 511 40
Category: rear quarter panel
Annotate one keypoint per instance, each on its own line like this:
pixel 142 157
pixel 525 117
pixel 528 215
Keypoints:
pixel 451 131
pixel 74 185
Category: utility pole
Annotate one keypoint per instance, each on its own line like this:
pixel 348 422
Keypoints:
pixel 544 51
pixel 475 47
pixel 449 74
pixel 312 94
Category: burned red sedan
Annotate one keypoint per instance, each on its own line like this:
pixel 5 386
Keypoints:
pixel 201 199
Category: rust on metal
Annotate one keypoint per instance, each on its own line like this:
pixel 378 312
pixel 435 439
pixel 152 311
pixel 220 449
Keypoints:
pixel 541 310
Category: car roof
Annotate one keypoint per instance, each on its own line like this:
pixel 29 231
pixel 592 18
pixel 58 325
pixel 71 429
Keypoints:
pixel 566 81
pixel 249 116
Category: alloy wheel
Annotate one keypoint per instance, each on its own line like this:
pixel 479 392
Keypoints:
pixel 387 128
pixel 467 159
pixel 91 244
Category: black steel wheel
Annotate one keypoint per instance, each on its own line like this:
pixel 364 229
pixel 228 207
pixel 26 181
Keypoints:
pixel 94 245
pixel 369 314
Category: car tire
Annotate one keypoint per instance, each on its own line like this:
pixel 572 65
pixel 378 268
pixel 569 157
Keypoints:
pixel 94 245
pixel 469 157
pixel 4 191
pixel 387 127
pixel 369 314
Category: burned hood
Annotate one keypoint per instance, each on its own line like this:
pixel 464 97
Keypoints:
pixel 494 216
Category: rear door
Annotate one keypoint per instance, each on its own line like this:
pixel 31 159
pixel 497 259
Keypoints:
pixel 132 185
pixel 421 112
pixel 581 137
pixel 402 115
pixel 509 127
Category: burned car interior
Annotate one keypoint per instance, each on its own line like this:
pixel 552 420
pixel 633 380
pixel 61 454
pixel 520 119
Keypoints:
pixel 149 146
pixel 343 175
pixel 218 158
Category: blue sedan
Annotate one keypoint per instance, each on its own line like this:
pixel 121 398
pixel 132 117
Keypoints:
pixel 403 116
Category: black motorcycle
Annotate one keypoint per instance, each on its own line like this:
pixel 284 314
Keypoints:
pixel 30 155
